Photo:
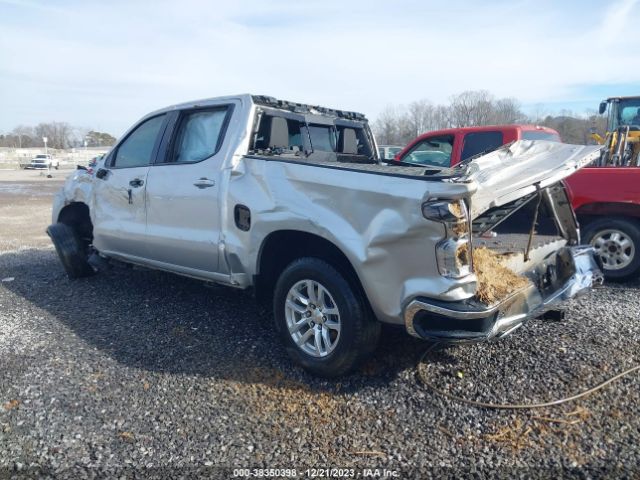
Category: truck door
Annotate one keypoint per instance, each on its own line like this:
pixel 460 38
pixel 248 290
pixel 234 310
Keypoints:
pixel 119 188
pixel 183 192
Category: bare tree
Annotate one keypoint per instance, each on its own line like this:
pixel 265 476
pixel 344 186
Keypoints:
pixel 419 117
pixel 539 113
pixel 58 133
pixel 507 110
pixel 25 136
pixel 472 107
pixel 387 126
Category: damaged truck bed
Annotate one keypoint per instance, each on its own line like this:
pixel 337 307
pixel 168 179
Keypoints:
pixel 292 201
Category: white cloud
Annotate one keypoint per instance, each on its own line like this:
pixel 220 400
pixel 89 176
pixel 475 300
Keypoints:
pixel 104 64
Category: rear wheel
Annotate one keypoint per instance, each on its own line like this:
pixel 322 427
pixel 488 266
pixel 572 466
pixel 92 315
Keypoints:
pixel 71 250
pixel 323 321
pixel 617 242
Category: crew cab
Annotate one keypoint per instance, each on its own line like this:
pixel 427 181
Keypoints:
pixel 292 200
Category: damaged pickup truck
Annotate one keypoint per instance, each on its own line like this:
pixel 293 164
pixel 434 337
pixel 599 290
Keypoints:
pixel 293 201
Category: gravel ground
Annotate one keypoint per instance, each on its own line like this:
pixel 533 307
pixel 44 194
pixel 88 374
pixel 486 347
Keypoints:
pixel 138 373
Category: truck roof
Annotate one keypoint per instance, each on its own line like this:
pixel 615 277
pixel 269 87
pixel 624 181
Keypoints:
pixel 488 128
pixel 271 102
pixel 627 97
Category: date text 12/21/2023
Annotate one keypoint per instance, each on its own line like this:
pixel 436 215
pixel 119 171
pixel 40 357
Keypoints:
pixel 315 473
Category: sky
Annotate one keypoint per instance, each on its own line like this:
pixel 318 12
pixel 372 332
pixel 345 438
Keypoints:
pixel 104 64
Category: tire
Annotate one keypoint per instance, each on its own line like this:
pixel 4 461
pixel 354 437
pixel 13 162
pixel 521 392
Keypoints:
pixel 335 350
pixel 72 252
pixel 617 242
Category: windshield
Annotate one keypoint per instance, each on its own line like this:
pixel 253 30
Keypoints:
pixel 629 112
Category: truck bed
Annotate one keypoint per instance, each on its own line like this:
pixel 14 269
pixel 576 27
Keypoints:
pixel 413 172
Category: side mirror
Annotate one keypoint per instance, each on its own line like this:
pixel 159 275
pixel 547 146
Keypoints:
pixel 396 157
pixel 603 107
pixel 102 173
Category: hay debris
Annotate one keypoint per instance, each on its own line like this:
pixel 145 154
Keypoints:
pixel 456 209
pixel 495 281
pixel 460 227
pixel 462 255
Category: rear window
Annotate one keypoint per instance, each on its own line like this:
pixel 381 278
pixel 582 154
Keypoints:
pixel 476 143
pixel 323 138
pixel 540 135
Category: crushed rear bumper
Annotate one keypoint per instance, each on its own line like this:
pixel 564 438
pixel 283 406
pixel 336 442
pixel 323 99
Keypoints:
pixel 571 273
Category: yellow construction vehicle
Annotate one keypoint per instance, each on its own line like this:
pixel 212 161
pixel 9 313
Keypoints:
pixel 622 141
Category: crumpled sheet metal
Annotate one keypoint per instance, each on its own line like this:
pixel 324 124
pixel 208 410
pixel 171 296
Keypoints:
pixel 78 187
pixel 375 220
pixel 513 171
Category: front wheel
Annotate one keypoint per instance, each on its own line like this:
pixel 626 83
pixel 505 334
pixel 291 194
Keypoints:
pixel 323 321
pixel 616 242
pixel 70 249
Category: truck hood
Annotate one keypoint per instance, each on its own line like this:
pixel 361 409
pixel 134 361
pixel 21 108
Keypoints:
pixel 518 169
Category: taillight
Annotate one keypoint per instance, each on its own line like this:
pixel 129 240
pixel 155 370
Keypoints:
pixel 453 252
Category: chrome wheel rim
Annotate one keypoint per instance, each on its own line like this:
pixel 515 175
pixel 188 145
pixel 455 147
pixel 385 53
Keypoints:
pixel 615 248
pixel 313 318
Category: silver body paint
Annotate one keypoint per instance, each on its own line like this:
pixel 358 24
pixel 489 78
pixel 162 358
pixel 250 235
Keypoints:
pixel 375 219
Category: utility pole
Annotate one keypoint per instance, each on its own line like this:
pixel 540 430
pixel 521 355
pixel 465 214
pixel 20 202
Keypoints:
pixel 48 160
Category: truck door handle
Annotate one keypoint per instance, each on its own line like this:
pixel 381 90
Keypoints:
pixel 204 183
pixel 136 182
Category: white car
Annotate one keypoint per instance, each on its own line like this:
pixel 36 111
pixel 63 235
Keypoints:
pixel 44 160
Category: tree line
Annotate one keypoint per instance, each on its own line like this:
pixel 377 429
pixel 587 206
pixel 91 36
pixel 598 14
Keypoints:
pixel 398 124
pixel 59 135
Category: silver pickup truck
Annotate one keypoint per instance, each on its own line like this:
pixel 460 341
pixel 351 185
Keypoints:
pixel 293 201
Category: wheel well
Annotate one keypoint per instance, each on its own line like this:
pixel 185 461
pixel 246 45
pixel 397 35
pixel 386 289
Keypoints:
pixel 592 211
pixel 76 215
pixel 280 248
pixel 586 220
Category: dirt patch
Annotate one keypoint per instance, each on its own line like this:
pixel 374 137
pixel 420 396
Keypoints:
pixel 25 208
pixel 495 281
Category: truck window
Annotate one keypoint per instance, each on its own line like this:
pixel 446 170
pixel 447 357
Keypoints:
pixel 323 138
pixel 480 142
pixel 540 135
pixel 263 138
pixel 629 111
pixel 353 141
pixel 199 135
pixel 434 151
pixel 136 149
